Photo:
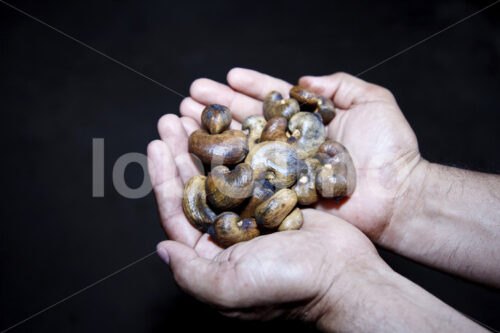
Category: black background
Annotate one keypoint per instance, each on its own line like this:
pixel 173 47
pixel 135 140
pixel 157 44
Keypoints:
pixel 55 96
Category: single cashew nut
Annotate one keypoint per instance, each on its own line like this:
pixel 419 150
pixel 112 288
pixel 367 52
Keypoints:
pixel 275 130
pixel 253 126
pixel 227 189
pixel 310 101
pixel 308 133
pixel 230 229
pixel 337 177
pixel 274 210
pixel 275 106
pixel 194 204
pixel 305 187
pixel 261 192
pixel 229 147
pixel 276 162
pixel 293 221
pixel 216 118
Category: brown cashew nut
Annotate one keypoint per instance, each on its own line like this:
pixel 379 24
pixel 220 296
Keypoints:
pixel 276 162
pixel 216 118
pixel 194 204
pixel 229 147
pixel 261 192
pixel 308 133
pixel 310 101
pixel 228 188
pixel 275 106
pixel 337 177
pixel 293 221
pixel 305 187
pixel 275 130
pixel 274 210
pixel 230 229
pixel 253 127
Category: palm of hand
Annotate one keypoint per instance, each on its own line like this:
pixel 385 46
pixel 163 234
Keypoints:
pixel 384 150
pixel 262 272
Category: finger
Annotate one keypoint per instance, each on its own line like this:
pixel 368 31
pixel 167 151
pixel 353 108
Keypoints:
pixel 174 135
pixel 206 247
pixel 345 90
pixel 255 84
pixel 190 125
pixel 200 277
pixel 206 92
pixel 168 188
pixel 192 109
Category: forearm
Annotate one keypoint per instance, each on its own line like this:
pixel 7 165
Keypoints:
pixel 383 301
pixel 450 218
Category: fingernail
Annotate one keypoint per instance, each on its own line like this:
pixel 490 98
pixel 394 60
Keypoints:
pixel 163 255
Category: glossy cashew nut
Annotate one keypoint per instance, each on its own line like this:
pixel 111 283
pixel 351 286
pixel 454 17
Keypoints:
pixel 274 210
pixel 308 134
pixel 310 101
pixel 230 229
pixel 275 106
pixel 228 188
pixel 194 204
pixel 337 177
pixel 216 118
pixel 253 127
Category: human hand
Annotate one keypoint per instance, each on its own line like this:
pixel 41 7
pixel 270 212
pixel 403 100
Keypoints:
pixel 328 272
pixel 368 122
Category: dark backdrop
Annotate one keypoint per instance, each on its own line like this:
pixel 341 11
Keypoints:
pixel 55 96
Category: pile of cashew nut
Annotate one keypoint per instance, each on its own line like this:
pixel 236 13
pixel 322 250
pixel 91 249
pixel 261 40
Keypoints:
pixel 261 173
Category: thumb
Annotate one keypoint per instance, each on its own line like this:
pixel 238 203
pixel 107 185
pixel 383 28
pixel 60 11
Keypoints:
pixel 345 90
pixel 200 277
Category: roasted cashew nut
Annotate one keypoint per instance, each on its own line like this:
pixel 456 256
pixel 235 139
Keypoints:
pixel 305 187
pixel 308 133
pixel 253 126
pixel 293 221
pixel 194 204
pixel 274 210
pixel 310 101
pixel 337 177
pixel 275 106
pixel 229 147
pixel 228 188
pixel 216 118
pixel 230 229
pixel 275 130
pixel 276 162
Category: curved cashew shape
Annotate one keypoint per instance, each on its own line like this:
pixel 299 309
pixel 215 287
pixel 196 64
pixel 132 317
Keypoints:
pixel 293 221
pixel 275 106
pixel 275 130
pixel 276 162
pixel 229 147
pixel 305 187
pixel 194 204
pixel 274 210
pixel 308 133
pixel 337 177
pixel 310 101
pixel 216 118
pixel 230 229
pixel 253 126
pixel 227 189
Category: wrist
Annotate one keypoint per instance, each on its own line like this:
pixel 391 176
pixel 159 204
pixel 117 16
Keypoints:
pixel 408 205
pixel 338 307
pixel 371 297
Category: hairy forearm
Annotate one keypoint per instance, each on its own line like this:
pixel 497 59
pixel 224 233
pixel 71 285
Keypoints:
pixel 382 301
pixel 450 219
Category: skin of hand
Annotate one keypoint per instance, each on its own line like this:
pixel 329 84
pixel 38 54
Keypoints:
pixel 401 201
pixel 328 272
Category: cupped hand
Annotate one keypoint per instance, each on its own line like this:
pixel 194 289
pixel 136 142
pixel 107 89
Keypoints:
pixel 368 122
pixel 293 273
